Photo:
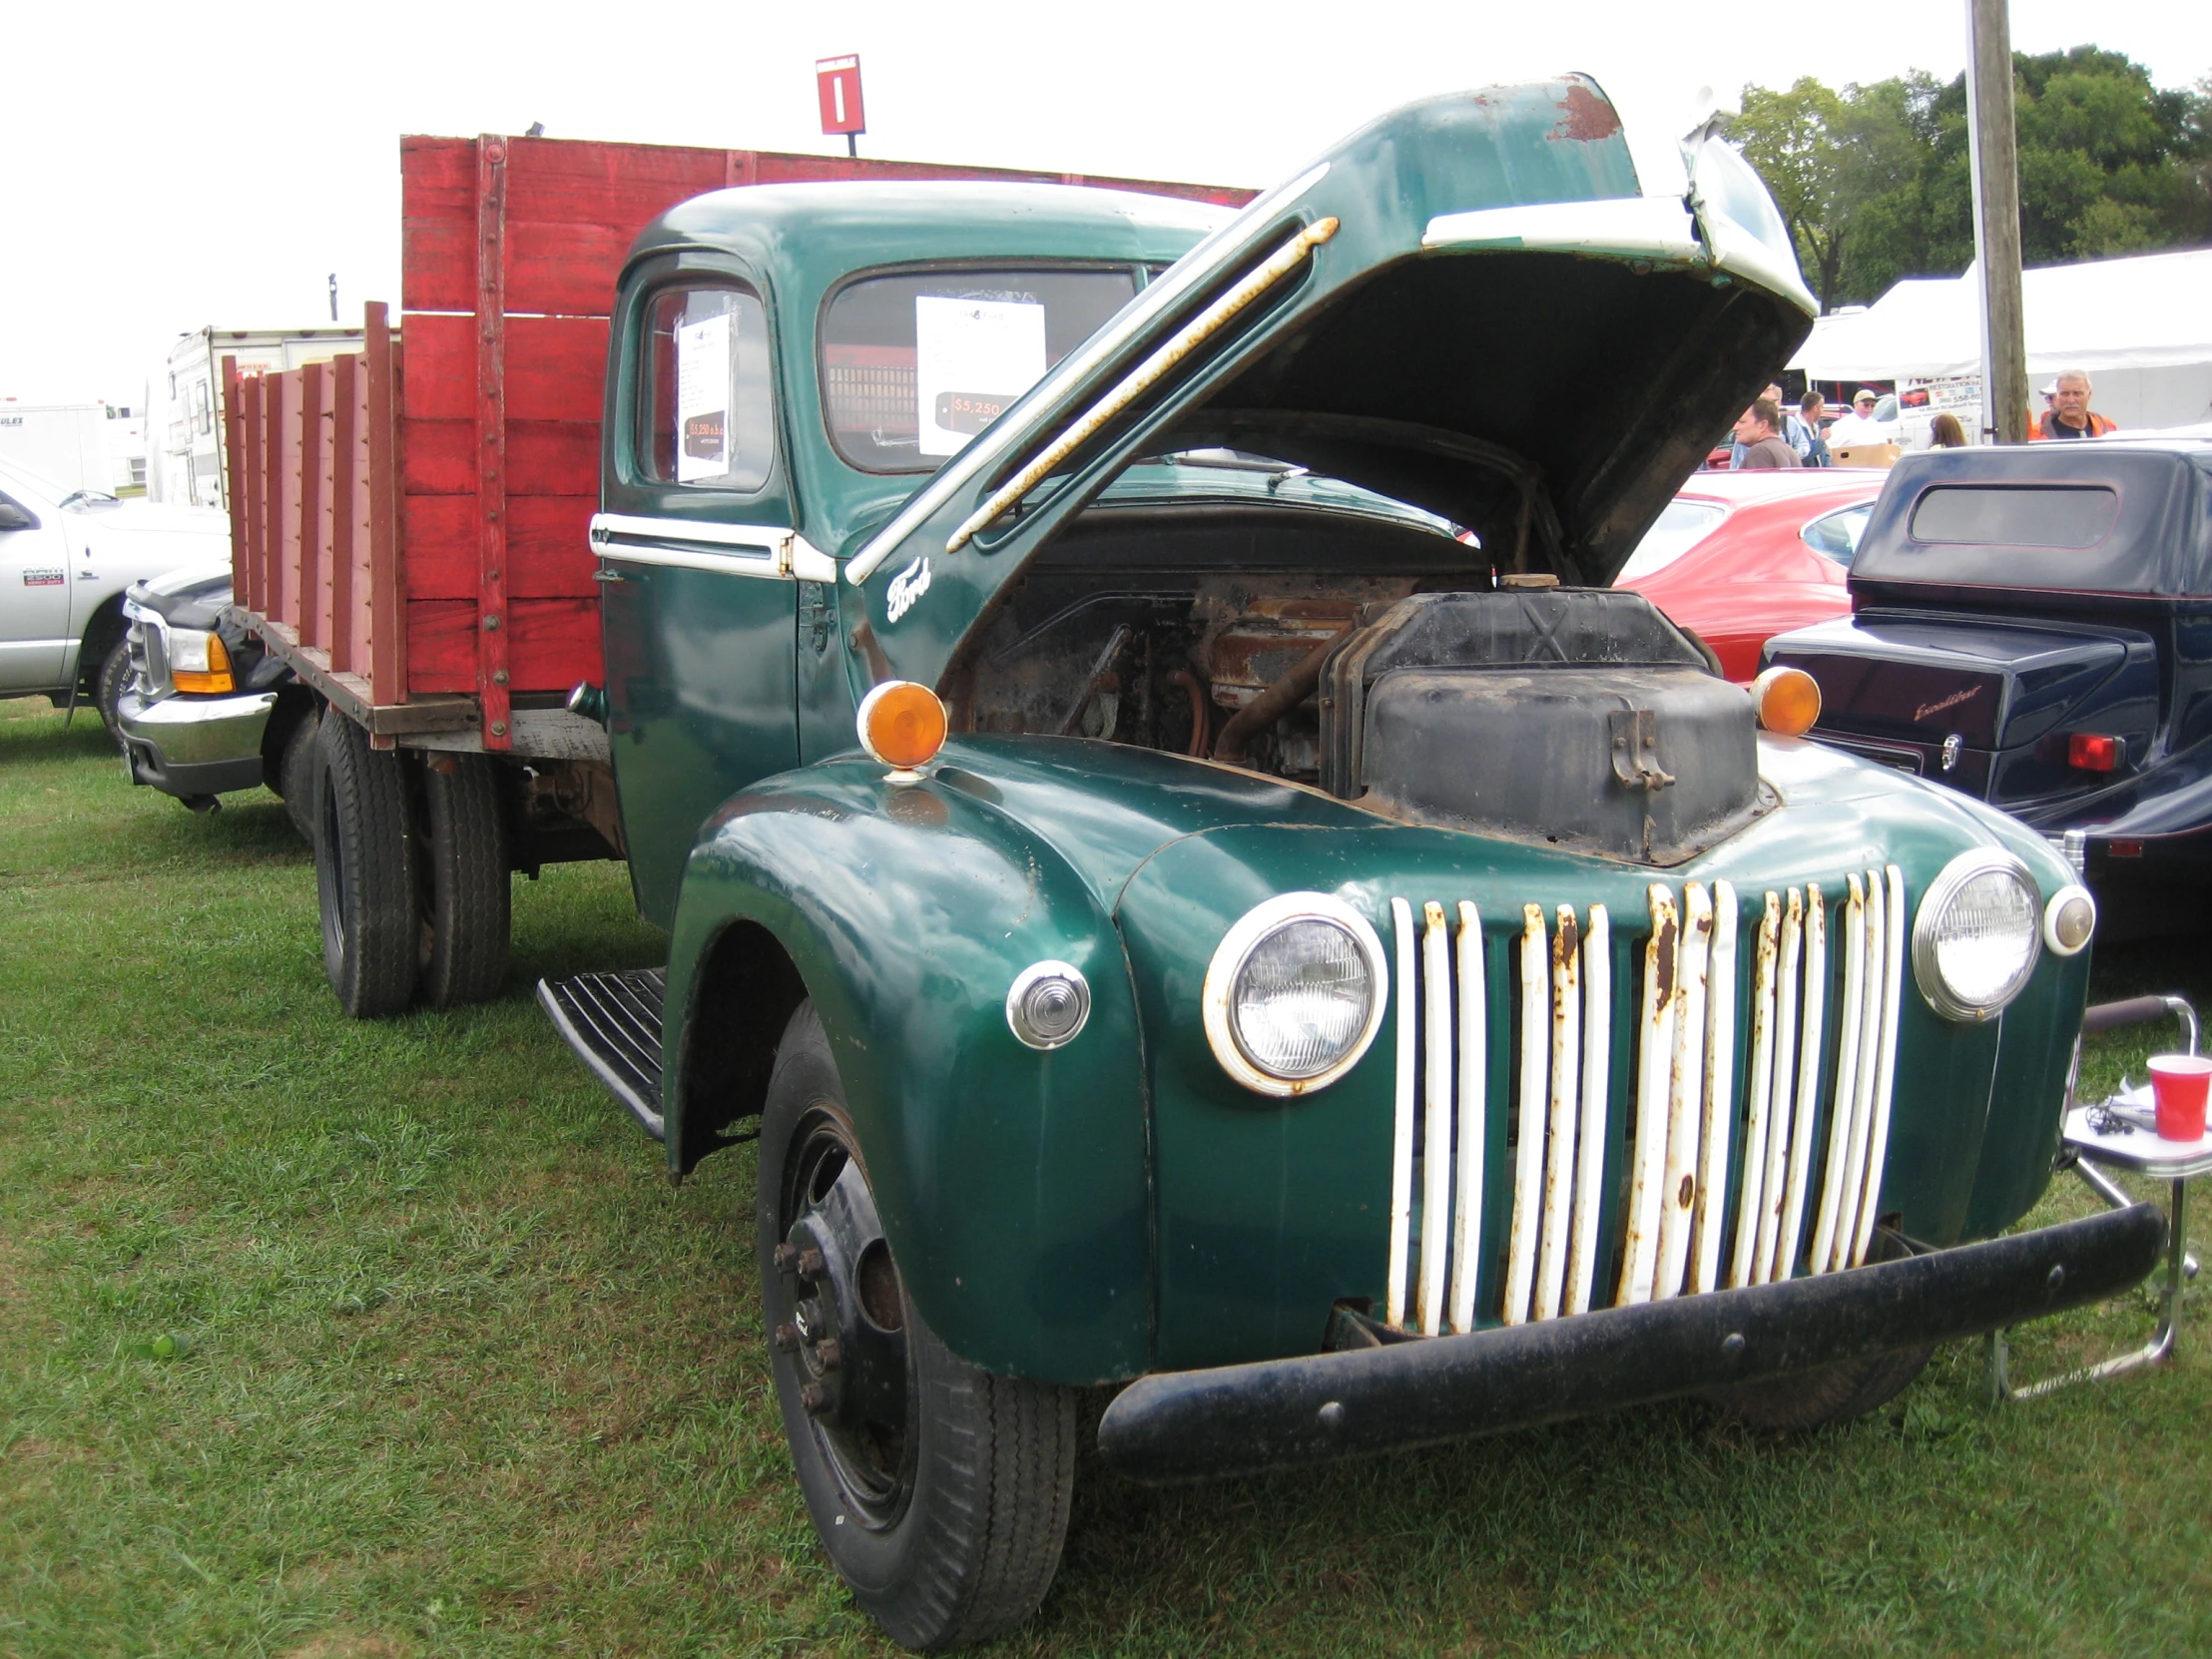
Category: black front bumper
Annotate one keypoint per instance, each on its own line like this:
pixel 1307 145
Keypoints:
pixel 1280 1413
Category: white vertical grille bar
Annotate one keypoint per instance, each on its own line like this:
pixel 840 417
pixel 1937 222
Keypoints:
pixel 1654 1054
pixel 1809 1032
pixel 1886 1062
pixel 1716 1131
pixel 1401 1129
pixel 1862 1107
pixel 1590 1141
pixel 1473 1029
pixel 1567 1073
pixel 1435 1213
pixel 1843 1127
pixel 1685 1091
pixel 1758 1081
pixel 1529 1166
pixel 1783 1111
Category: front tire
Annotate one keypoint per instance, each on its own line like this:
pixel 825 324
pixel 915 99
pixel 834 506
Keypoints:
pixel 1818 1399
pixel 109 684
pixel 365 876
pixel 939 1491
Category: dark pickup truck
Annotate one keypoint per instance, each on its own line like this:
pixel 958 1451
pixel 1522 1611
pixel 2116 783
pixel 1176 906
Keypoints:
pixel 2032 626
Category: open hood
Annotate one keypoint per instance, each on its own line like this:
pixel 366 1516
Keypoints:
pixel 1465 305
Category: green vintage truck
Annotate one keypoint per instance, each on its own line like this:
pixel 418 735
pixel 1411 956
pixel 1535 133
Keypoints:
pixel 1198 885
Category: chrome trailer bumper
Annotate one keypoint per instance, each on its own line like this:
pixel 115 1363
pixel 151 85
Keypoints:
pixel 1282 1413
pixel 193 746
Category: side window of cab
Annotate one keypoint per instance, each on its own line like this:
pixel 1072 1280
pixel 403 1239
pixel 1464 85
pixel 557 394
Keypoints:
pixel 703 411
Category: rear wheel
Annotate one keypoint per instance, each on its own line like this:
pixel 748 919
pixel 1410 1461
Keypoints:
pixel 939 1491
pixel 468 890
pixel 296 779
pixel 364 874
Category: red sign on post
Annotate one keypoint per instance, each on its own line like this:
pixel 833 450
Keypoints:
pixel 838 81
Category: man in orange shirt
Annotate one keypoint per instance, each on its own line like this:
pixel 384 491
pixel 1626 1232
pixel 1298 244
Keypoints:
pixel 2069 414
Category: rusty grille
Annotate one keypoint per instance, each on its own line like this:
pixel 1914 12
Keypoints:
pixel 1718 1117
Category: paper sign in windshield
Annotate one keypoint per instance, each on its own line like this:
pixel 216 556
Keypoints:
pixel 973 357
pixel 703 380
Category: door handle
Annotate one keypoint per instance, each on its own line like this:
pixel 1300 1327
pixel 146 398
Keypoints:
pixel 604 575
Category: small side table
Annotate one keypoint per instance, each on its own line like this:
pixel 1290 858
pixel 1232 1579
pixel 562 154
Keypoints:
pixel 2084 1149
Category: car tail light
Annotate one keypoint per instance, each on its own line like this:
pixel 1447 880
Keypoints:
pixel 2093 753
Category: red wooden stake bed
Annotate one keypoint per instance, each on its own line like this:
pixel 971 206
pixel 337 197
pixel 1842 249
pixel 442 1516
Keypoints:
pixel 408 522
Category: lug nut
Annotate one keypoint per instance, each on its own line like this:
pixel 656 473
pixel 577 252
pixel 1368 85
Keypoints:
pixel 786 1339
pixel 785 1258
pixel 811 1265
pixel 814 1398
pixel 829 1354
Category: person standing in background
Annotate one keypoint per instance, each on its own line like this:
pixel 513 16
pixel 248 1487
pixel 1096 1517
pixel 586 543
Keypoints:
pixel 1945 432
pixel 1810 409
pixel 2069 415
pixel 1764 451
pixel 1789 428
pixel 1858 426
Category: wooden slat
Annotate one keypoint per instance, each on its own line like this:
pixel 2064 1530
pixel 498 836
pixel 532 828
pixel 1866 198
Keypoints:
pixel 556 640
pixel 437 207
pixel 548 553
pixel 491 439
pixel 385 649
pixel 275 392
pixel 544 457
pixel 232 438
pixel 555 367
pixel 340 514
pixel 246 488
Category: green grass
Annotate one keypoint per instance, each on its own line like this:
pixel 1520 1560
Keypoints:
pixel 461 1374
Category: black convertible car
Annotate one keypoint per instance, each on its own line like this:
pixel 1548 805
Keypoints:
pixel 2032 626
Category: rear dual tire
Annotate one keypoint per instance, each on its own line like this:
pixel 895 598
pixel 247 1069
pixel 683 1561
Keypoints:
pixel 410 872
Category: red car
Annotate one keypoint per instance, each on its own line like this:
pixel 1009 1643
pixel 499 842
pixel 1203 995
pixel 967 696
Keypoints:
pixel 1739 555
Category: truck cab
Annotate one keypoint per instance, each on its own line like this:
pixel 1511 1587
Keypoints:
pixel 1195 882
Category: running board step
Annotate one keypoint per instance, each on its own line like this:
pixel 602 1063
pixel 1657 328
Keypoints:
pixel 613 1022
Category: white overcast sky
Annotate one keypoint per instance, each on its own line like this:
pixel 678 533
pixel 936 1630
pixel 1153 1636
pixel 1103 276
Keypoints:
pixel 164 167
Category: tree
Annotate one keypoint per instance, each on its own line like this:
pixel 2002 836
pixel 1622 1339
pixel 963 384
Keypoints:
pixel 1875 182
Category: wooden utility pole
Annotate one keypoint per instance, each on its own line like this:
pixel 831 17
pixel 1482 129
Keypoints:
pixel 1996 220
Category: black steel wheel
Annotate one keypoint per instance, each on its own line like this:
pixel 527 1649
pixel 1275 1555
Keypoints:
pixel 364 873
pixel 939 1491
pixel 467 892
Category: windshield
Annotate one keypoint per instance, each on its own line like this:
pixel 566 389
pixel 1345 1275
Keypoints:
pixel 915 363
pixel 1680 526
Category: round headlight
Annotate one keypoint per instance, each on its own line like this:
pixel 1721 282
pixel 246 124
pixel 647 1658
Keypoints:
pixel 2068 919
pixel 1977 934
pixel 1048 1003
pixel 1294 993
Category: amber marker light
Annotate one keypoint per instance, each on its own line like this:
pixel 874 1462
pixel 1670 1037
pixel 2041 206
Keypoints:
pixel 212 673
pixel 903 725
pixel 1788 700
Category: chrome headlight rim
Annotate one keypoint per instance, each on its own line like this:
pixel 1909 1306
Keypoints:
pixel 1927 972
pixel 1018 995
pixel 2066 896
pixel 1237 946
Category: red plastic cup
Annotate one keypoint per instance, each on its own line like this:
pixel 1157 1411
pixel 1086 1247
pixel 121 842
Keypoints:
pixel 2179 1082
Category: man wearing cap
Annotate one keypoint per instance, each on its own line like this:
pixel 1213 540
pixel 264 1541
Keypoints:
pixel 2069 414
pixel 1858 426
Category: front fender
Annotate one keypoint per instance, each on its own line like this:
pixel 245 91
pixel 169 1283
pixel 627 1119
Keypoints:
pixel 1011 1183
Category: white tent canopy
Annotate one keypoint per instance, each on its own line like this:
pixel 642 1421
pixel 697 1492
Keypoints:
pixel 2144 312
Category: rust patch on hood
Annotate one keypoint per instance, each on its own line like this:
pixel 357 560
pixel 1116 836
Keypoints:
pixel 1585 117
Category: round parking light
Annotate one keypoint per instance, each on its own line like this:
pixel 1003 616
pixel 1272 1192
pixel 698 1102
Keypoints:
pixel 1788 700
pixel 903 725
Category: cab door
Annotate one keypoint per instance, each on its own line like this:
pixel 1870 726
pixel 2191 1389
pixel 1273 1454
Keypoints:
pixel 34 592
pixel 698 562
